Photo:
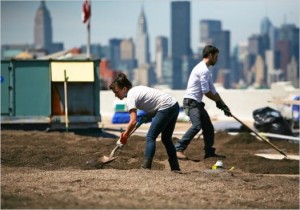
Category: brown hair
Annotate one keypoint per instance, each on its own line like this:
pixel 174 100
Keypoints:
pixel 120 81
pixel 209 49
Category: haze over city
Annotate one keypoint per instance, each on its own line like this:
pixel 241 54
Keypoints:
pixel 118 19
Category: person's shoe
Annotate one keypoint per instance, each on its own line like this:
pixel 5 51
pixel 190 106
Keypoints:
pixel 177 171
pixel 181 156
pixel 174 165
pixel 208 155
pixel 147 164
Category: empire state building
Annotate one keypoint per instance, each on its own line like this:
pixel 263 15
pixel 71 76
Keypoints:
pixel 43 28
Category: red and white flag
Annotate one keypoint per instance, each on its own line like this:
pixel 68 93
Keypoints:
pixel 86 11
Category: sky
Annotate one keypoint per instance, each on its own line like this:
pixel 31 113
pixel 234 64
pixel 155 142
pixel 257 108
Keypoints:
pixel 118 19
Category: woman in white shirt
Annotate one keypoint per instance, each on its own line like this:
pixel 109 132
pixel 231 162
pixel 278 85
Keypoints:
pixel 162 107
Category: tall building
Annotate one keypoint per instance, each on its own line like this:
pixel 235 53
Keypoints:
pixel 114 53
pixel 180 39
pixel 236 72
pixel 247 66
pixel 284 48
pixel 128 61
pixel 259 72
pixel 222 41
pixel 161 53
pixel 265 25
pixel 95 50
pixel 272 60
pixel 290 33
pixel 208 29
pixel 43 28
pixel 142 50
pixel 271 32
pixel 258 45
pixel 211 33
pixel 127 49
pixel 187 65
pixel 293 72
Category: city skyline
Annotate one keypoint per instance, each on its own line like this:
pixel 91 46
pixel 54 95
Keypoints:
pixel 68 27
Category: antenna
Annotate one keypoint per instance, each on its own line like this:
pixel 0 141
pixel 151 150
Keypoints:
pixel 266 7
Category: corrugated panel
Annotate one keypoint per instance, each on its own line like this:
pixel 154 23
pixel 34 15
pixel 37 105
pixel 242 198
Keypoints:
pixel 32 88
pixel 75 71
pixel 4 80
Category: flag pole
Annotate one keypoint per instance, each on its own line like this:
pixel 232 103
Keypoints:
pixel 88 39
pixel 66 101
pixel 86 18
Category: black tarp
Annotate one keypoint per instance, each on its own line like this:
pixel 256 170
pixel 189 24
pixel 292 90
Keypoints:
pixel 269 120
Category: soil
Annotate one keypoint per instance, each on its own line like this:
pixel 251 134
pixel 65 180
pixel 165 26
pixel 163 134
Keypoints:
pixel 42 170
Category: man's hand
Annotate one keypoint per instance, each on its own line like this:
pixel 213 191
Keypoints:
pixel 221 105
pixel 122 140
pixel 227 111
pixel 119 144
pixel 145 119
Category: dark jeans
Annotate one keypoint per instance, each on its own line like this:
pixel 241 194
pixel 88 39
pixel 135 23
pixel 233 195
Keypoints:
pixel 164 123
pixel 200 120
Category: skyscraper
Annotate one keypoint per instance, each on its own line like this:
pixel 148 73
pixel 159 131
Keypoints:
pixel 208 29
pixel 284 48
pixel 265 26
pixel 128 61
pixel 43 28
pixel 180 39
pixel 259 72
pixel 211 33
pixel 290 33
pixel 127 49
pixel 222 42
pixel 161 53
pixel 293 72
pixel 142 41
pixel 114 52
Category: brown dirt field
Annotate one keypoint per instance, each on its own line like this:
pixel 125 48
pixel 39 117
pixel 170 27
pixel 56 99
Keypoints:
pixel 41 170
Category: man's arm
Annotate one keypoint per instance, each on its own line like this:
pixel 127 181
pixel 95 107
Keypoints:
pixel 125 135
pixel 215 97
pixel 132 121
pixel 219 102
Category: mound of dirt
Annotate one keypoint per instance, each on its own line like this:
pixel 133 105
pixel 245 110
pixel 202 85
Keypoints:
pixel 49 170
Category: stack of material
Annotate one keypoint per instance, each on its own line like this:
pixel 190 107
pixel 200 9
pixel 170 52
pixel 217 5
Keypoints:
pixel 121 114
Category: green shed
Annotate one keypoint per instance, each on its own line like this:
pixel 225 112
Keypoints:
pixel 58 93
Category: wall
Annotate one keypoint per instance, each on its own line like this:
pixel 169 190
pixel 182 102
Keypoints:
pixel 241 102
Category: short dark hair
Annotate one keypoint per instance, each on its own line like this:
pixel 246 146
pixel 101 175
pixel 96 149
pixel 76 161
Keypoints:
pixel 209 49
pixel 120 81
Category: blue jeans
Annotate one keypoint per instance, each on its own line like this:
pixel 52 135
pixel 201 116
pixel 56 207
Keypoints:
pixel 164 122
pixel 200 120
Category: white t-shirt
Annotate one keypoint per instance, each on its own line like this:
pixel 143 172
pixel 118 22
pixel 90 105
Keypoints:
pixel 200 82
pixel 148 99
